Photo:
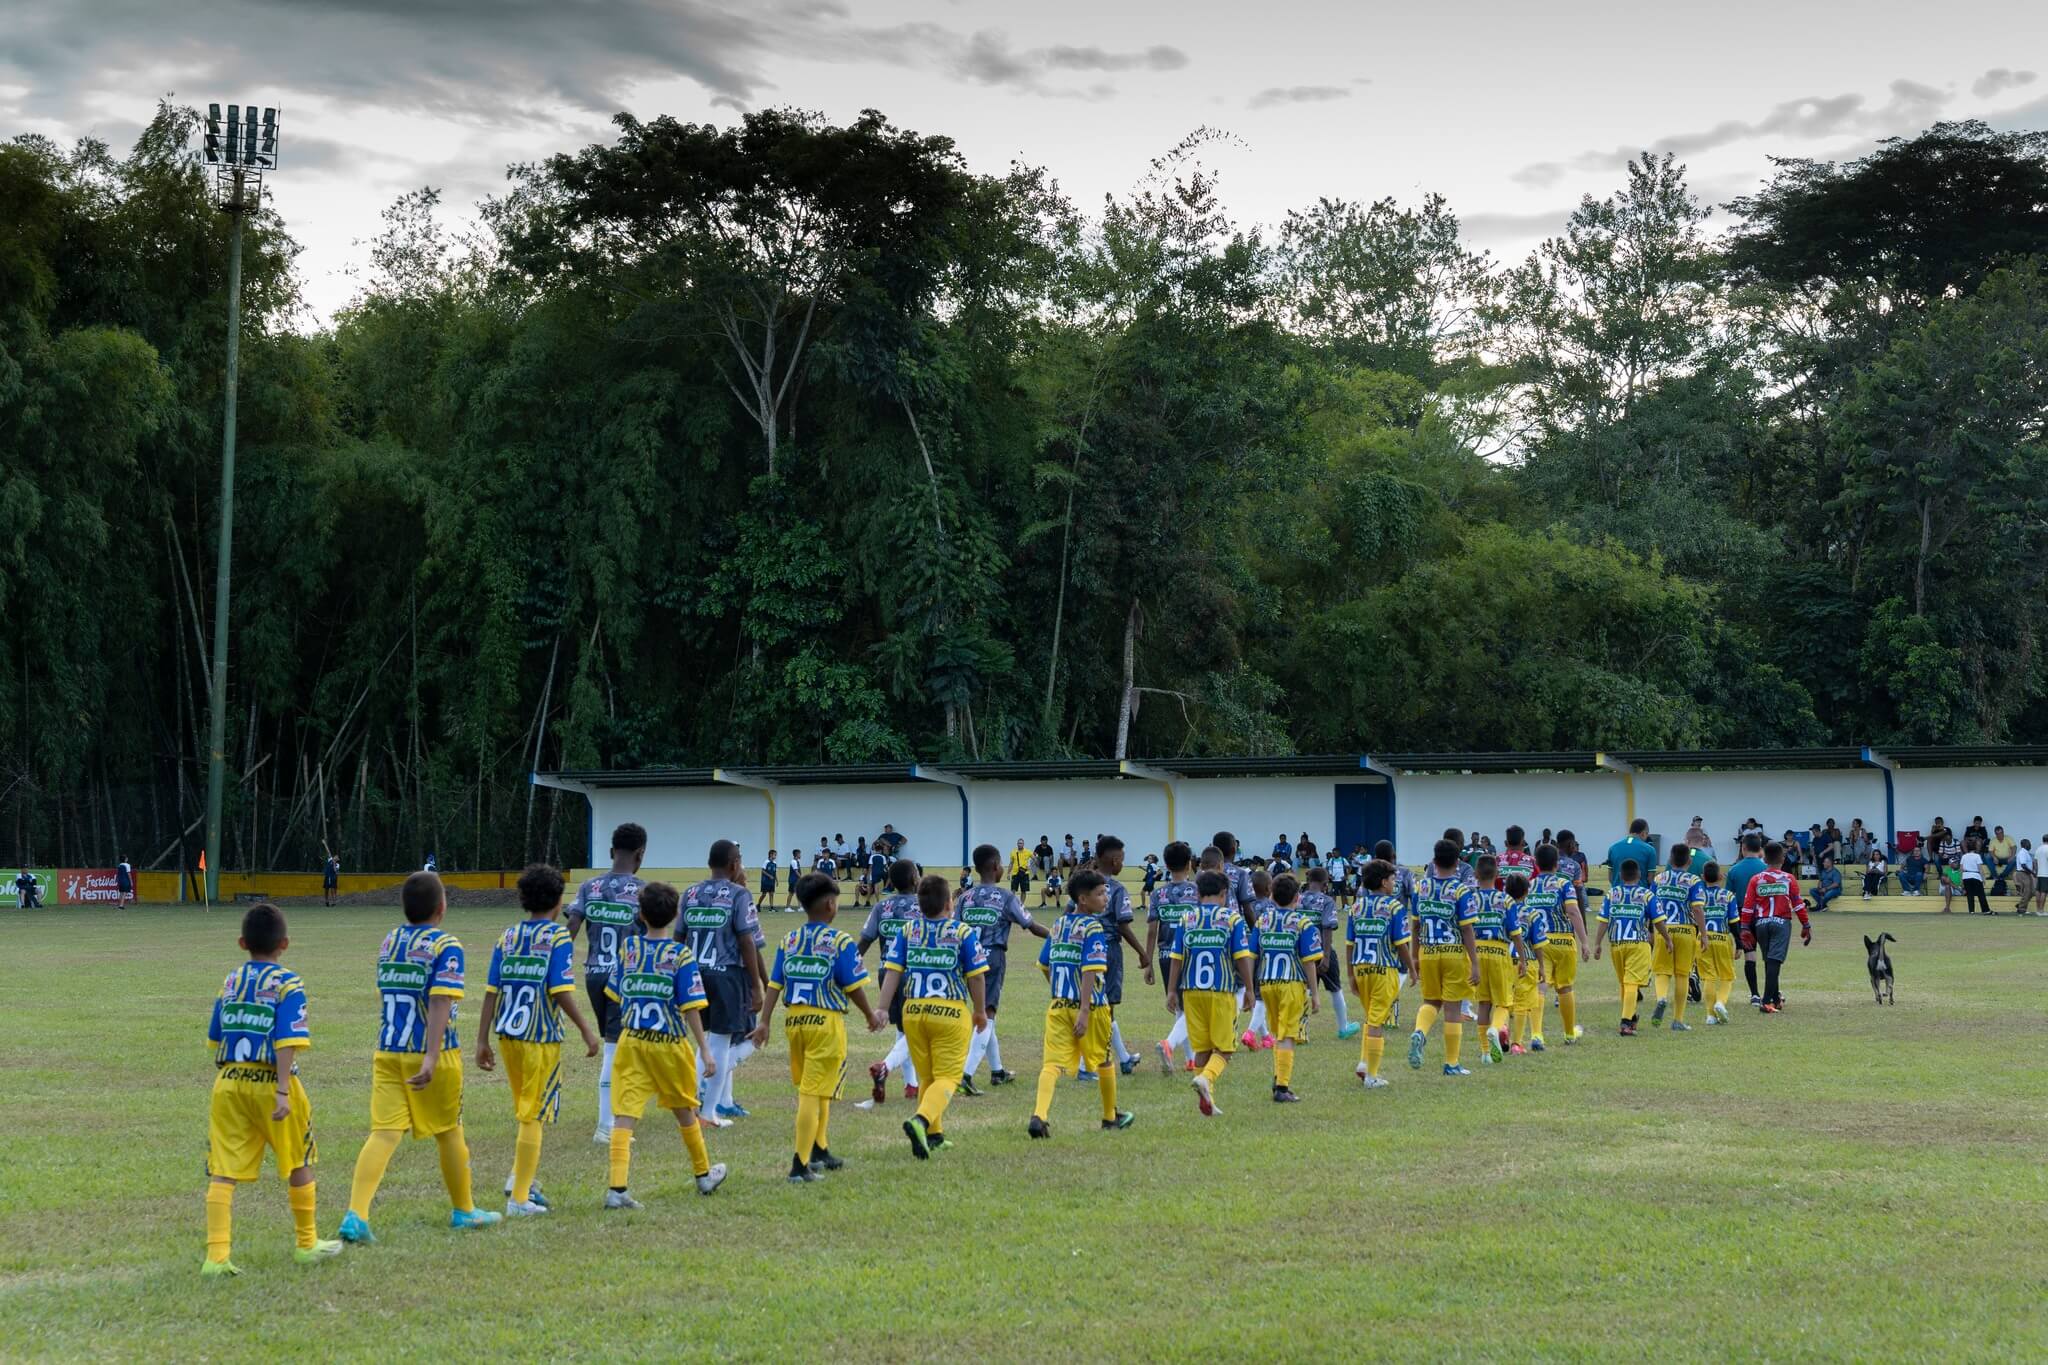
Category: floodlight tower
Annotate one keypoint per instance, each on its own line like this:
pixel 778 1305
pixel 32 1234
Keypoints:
pixel 239 151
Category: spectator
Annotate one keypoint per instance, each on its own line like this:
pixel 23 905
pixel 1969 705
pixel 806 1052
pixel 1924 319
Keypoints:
pixel 890 842
pixel 1750 826
pixel 2024 877
pixel 1973 877
pixel 2000 851
pixel 860 853
pixel 1830 839
pixel 1281 847
pixel 1856 844
pixel 28 892
pixel 1913 872
pixel 1801 856
pixel 1874 870
pixel 1041 856
pixel 1948 861
pixel 1087 853
pixel 1978 832
pixel 1305 852
pixel 1830 885
pixel 1070 857
pixel 842 856
pixel 1020 870
pixel 1696 835
pixel 330 880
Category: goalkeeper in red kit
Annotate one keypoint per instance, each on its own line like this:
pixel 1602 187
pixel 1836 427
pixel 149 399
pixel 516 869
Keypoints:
pixel 1769 906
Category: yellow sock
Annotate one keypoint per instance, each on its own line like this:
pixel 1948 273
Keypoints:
pixel 1365 1042
pixel 1213 1068
pixel 525 1158
pixel 1721 989
pixel 1105 1085
pixel 622 1156
pixel 824 1123
pixel 220 1220
pixel 370 1166
pixel 933 1099
pixel 1048 1082
pixel 302 1202
pixel 1568 1012
pixel 1425 1018
pixel 1628 999
pixel 700 1158
pixel 807 1107
pixel 1663 981
pixel 455 1169
pixel 1375 1049
pixel 1283 1066
pixel 1678 1006
pixel 1454 1038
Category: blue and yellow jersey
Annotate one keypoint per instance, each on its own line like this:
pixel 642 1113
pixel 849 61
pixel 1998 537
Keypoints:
pixel 1676 892
pixel 936 957
pixel 1170 904
pixel 1209 942
pixel 1550 895
pixel 1630 913
pixel 1441 912
pixel 529 968
pixel 1284 940
pixel 1377 926
pixel 416 963
pixel 1723 915
pixel 260 1011
pixel 815 966
pixel 655 982
pixel 1494 916
pixel 1078 949
pixel 1534 928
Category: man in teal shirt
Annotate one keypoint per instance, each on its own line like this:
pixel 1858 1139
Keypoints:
pixel 1748 865
pixel 1635 848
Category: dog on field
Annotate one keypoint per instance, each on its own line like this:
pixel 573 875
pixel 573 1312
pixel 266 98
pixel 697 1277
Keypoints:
pixel 1880 967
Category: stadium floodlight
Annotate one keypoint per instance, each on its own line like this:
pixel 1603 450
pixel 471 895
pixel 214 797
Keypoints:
pixel 239 149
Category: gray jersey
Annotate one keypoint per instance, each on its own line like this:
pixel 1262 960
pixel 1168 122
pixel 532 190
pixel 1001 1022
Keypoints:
pixel 990 910
pixel 715 913
pixel 887 919
pixel 1240 885
pixel 1322 909
pixel 609 907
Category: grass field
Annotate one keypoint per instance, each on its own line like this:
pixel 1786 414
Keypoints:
pixel 1842 1181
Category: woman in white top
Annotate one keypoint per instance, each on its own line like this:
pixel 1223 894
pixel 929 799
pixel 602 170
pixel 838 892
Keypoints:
pixel 1972 867
pixel 1874 872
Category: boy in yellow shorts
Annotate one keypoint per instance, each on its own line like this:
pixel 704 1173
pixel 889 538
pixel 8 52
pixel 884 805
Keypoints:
pixel 257 1030
pixel 1720 917
pixel 1528 998
pixel 530 987
pixel 817 970
pixel 1449 955
pixel 1288 945
pixel 1671 961
pixel 1208 977
pixel 1075 960
pixel 661 1003
pixel 1377 932
pixel 1497 936
pixel 1628 917
pixel 1554 897
pixel 416 1074
pixel 937 963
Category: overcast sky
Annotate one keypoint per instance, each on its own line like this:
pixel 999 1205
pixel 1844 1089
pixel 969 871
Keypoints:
pixel 1512 110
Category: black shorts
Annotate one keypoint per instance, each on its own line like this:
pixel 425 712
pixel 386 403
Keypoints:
pixel 604 1011
pixel 896 1007
pixel 1020 883
pixel 725 1011
pixel 1326 971
pixel 1113 980
pixel 992 984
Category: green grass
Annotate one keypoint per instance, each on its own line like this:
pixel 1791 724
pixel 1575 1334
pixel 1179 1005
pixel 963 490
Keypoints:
pixel 1843 1181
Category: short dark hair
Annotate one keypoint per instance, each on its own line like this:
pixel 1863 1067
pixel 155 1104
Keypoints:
pixel 1485 865
pixel 721 856
pixel 902 875
pixel 1546 857
pixel 1681 856
pixel 421 896
pixel 658 904
pixel 263 928
pixel 1179 857
pixel 1376 874
pixel 813 887
pixel 1639 826
pixel 1752 843
pixel 1286 889
pixel 934 895
pixel 1225 841
pixel 1517 886
pixel 540 889
pixel 1210 882
pixel 1455 835
pixel 1565 838
pixel 1515 836
pixel 1445 854
pixel 1711 874
pixel 629 838
pixel 1107 843
pixel 1630 868
pixel 986 856
pixel 1086 880
pixel 1317 876
pixel 1384 850
pixel 1774 852
pixel 1262 883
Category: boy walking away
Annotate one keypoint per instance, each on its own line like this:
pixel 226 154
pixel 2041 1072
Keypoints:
pixel 607 909
pixel 1444 922
pixel 991 911
pixel 1208 976
pixel 724 934
pixel 330 880
pixel 1164 911
pixel 1768 908
pixel 1497 935
pixel 1288 946
pixel 1258 1031
pixel 1672 960
pixel 884 923
pixel 416 1074
pixel 1116 925
pixel 1527 1007
pixel 1555 899
pixel 1321 907
pixel 1628 916
pixel 1718 918
pixel 1378 937
pixel 1075 959
pixel 817 971
pixel 1747 866
pixel 257 1030
pixel 654 982
pixel 530 988
pixel 768 871
pixel 936 962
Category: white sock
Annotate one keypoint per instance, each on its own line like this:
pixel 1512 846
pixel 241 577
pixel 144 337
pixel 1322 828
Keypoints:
pixel 1258 1020
pixel 1116 1041
pixel 711 1083
pixel 978 1047
pixel 899 1055
pixel 736 1053
pixel 1343 1012
pixel 995 1047
pixel 1177 1036
pixel 604 1088
pixel 909 1069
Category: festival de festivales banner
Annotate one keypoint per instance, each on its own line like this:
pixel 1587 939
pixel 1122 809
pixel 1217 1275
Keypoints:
pixel 87 886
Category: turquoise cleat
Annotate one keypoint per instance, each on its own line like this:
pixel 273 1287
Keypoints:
pixel 355 1231
pixel 473 1218
pixel 1351 1030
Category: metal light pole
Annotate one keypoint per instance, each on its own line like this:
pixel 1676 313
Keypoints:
pixel 239 159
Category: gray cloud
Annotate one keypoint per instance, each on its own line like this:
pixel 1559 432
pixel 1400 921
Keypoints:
pixel 1297 94
pixel 1155 58
pixel 1998 80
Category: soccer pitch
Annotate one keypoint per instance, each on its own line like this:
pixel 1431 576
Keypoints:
pixel 1843 1181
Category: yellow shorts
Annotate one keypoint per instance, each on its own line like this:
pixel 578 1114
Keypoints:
pixel 1445 976
pixel 1496 976
pixel 1631 963
pixel 396 1105
pixel 1528 996
pixel 534 1071
pixel 938 1032
pixel 1212 1020
pixel 1676 960
pixel 1286 1005
pixel 655 1068
pixel 817 1050
pixel 1068 1053
pixel 239 1126
pixel 1719 959
pixel 1561 961
pixel 1378 988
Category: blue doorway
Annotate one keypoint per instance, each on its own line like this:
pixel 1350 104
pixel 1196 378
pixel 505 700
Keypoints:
pixel 1365 814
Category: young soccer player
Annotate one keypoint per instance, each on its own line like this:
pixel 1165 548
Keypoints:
pixel 817 970
pixel 1258 1032
pixel 1768 907
pixel 1049 891
pixel 1628 918
pixel 1553 896
pixel 1450 955
pixel 1527 1006
pixel 1497 933
pixel 1319 905
pixel 768 871
pixel 661 1000
pixel 1164 909
pixel 416 1074
pixel 1718 917
pixel 937 965
pixel 607 909
pixel 1515 856
pixel 1075 959
pixel 1288 945
pixel 1671 961
pixel 528 992
pixel 1208 976
pixel 991 910
pixel 257 1030
pixel 884 923
pixel 1377 938
pixel 1117 918
pixel 1747 866
pixel 724 934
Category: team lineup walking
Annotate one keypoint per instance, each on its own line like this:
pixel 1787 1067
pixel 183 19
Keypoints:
pixel 682 989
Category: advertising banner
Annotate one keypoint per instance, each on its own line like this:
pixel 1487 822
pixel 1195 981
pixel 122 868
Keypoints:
pixel 46 883
pixel 87 886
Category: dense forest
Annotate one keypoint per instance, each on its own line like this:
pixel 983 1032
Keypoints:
pixel 795 442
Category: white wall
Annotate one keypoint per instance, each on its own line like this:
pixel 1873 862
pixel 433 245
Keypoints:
pixel 1590 805
pixel 1257 808
pixel 925 813
pixel 1133 810
pixel 1782 800
pixel 2014 797
pixel 681 822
